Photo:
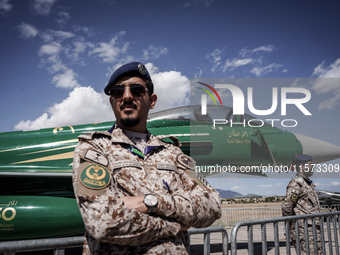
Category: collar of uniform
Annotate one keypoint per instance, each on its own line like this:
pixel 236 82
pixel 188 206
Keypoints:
pixel 309 181
pixel 120 137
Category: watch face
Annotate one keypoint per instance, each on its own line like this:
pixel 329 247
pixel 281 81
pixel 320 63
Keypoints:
pixel 150 200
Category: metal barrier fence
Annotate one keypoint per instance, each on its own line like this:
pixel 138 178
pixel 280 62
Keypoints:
pixel 329 230
pixel 58 245
pixel 329 233
pixel 206 243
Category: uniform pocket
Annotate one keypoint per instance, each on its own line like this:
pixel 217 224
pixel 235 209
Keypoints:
pixel 130 176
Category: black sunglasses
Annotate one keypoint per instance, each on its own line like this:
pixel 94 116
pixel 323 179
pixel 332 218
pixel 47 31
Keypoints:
pixel 136 90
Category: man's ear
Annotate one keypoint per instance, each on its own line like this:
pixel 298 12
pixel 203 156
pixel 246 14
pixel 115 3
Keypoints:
pixel 153 100
pixel 111 101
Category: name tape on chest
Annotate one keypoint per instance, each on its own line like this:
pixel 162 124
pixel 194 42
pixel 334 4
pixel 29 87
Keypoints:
pixel 96 157
pixel 126 163
pixel 95 176
pixel 166 166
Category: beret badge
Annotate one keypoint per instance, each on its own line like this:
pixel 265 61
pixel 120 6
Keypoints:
pixel 141 69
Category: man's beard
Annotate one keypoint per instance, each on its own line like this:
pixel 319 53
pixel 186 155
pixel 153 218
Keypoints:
pixel 129 122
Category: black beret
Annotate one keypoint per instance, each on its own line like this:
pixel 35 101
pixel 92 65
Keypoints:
pixel 302 158
pixel 130 69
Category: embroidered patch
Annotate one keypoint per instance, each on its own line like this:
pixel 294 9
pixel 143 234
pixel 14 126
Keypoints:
pixel 293 198
pixel 96 157
pixel 95 176
pixel 186 161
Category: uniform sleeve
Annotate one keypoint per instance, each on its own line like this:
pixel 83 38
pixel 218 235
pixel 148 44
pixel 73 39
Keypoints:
pixel 105 217
pixel 292 195
pixel 197 205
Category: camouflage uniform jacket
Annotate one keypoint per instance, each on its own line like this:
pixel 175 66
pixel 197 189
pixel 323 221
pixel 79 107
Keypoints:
pixel 107 166
pixel 301 197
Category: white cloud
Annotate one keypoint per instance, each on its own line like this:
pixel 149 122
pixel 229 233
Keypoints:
pixel 267 48
pixel 83 105
pixel 87 30
pixel 5 6
pixel 245 59
pixel 27 30
pixel 234 63
pixel 51 35
pixel 110 52
pixel 63 18
pixel 172 88
pixel 50 58
pixel 77 48
pixel 43 7
pixel 215 57
pixel 332 71
pixel 66 80
pixel 154 52
pixel 334 184
pixel 59 35
pixel 49 49
pixel 329 83
pixel 260 71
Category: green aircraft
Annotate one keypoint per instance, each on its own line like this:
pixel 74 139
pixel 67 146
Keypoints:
pixel 37 199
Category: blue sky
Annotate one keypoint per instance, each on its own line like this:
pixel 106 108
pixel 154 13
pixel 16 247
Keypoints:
pixel 57 55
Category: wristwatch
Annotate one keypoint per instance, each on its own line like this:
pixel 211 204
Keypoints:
pixel 151 202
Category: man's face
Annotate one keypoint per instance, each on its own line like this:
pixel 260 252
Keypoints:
pixel 307 169
pixel 131 109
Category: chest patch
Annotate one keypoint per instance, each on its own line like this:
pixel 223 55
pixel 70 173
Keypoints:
pixel 96 157
pixel 95 176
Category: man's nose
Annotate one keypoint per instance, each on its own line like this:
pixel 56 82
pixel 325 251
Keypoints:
pixel 127 96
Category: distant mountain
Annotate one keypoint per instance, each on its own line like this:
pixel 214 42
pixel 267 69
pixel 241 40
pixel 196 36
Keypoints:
pixel 228 193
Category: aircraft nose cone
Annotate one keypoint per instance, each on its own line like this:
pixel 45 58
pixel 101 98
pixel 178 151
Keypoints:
pixel 320 151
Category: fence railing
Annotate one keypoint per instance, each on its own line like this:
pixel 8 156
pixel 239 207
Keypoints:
pixel 329 232
pixel 274 228
pixel 58 245
pixel 206 238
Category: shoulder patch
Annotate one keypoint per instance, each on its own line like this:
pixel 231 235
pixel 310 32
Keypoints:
pixel 96 157
pixel 173 138
pixel 95 176
pixel 94 134
pixel 186 161
pixel 294 198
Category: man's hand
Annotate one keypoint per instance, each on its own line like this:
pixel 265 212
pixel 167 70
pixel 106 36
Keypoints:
pixel 135 202
pixel 184 227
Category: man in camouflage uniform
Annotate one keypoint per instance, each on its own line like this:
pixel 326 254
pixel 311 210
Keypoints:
pixel 134 190
pixel 301 199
